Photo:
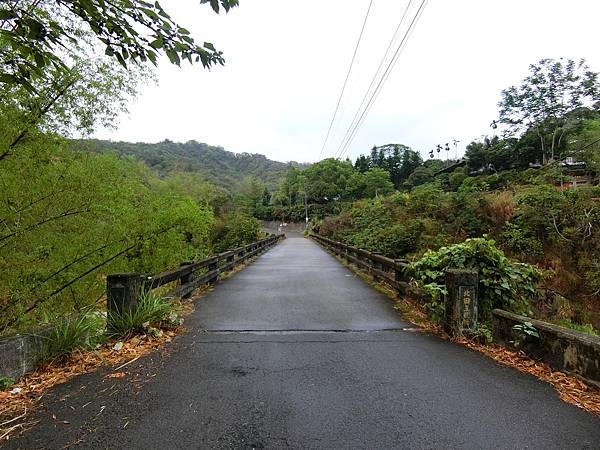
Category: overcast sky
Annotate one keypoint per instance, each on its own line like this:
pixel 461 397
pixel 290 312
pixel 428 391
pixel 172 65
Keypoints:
pixel 286 62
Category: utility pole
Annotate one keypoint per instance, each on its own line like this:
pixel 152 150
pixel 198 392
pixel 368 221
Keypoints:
pixel 305 208
pixel 455 141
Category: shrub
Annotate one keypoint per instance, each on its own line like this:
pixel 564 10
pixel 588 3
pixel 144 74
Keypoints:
pixel 500 208
pixel 456 179
pixel 234 230
pixel 584 328
pixel 474 184
pixel 336 227
pixel 483 334
pixel 502 282
pixel 398 240
pixel 520 243
pixel 150 310
pixel 71 334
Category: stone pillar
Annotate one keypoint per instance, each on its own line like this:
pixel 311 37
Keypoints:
pixel 122 292
pixel 461 301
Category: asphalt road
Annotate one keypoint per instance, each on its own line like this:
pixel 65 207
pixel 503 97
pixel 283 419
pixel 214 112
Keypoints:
pixel 297 352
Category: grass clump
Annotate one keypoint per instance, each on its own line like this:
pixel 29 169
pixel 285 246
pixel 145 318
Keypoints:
pixel 71 334
pixel 150 310
pixel 6 382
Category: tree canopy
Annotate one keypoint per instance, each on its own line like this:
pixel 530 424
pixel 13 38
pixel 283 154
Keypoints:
pixel 547 99
pixel 34 35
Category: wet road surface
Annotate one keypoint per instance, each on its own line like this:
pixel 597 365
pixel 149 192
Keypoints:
pixel 296 351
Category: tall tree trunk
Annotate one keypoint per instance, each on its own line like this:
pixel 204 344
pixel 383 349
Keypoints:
pixel 543 146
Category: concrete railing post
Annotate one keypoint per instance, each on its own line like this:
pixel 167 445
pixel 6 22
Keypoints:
pixel 214 266
pixel 122 292
pixel 399 275
pixel 187 278
pixel 461 301
pixel 376 265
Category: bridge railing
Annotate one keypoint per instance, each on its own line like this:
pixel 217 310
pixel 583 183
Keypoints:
pixel 562 348
pixel 392 271
pixel 123 290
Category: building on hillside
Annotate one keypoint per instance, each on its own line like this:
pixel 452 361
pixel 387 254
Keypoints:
pixel 574 174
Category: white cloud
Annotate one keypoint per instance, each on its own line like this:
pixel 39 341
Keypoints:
pixel 286 61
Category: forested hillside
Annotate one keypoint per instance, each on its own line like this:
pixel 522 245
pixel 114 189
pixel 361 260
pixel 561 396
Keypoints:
pixel 69 215
pixel 219 166
pixel 522 207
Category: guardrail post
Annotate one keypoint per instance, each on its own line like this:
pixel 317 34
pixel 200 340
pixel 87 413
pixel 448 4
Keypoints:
pixel 214 266
pixel 399 275
pixel 122 292
pixel 187 278
pixel 461 301
pixel 376 265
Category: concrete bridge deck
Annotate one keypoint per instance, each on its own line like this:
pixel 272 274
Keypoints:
pixel 297 352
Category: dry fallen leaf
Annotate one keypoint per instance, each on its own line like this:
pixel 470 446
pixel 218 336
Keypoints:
pixel 35 385
pixel 115 375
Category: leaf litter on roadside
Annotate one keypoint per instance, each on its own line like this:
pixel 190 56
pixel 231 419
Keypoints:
pixel 16 408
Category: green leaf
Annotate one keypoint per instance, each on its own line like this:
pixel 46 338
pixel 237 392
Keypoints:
pixel 7 14
pixel 120 59
pixel 39 60
pixel 173 56
pixel 157 43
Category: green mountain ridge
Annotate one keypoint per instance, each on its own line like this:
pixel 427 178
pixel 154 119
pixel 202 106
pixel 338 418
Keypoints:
pixel 217 165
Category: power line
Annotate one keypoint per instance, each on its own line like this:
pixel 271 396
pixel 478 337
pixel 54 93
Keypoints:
pixel 570 154
pixel 383 79
pixel 337 107
pixel 376 75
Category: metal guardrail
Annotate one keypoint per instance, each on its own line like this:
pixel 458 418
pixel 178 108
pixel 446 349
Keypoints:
pixel 123 289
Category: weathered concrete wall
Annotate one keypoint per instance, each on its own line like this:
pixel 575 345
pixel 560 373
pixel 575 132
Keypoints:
pixel 562 348
pixel 18 354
